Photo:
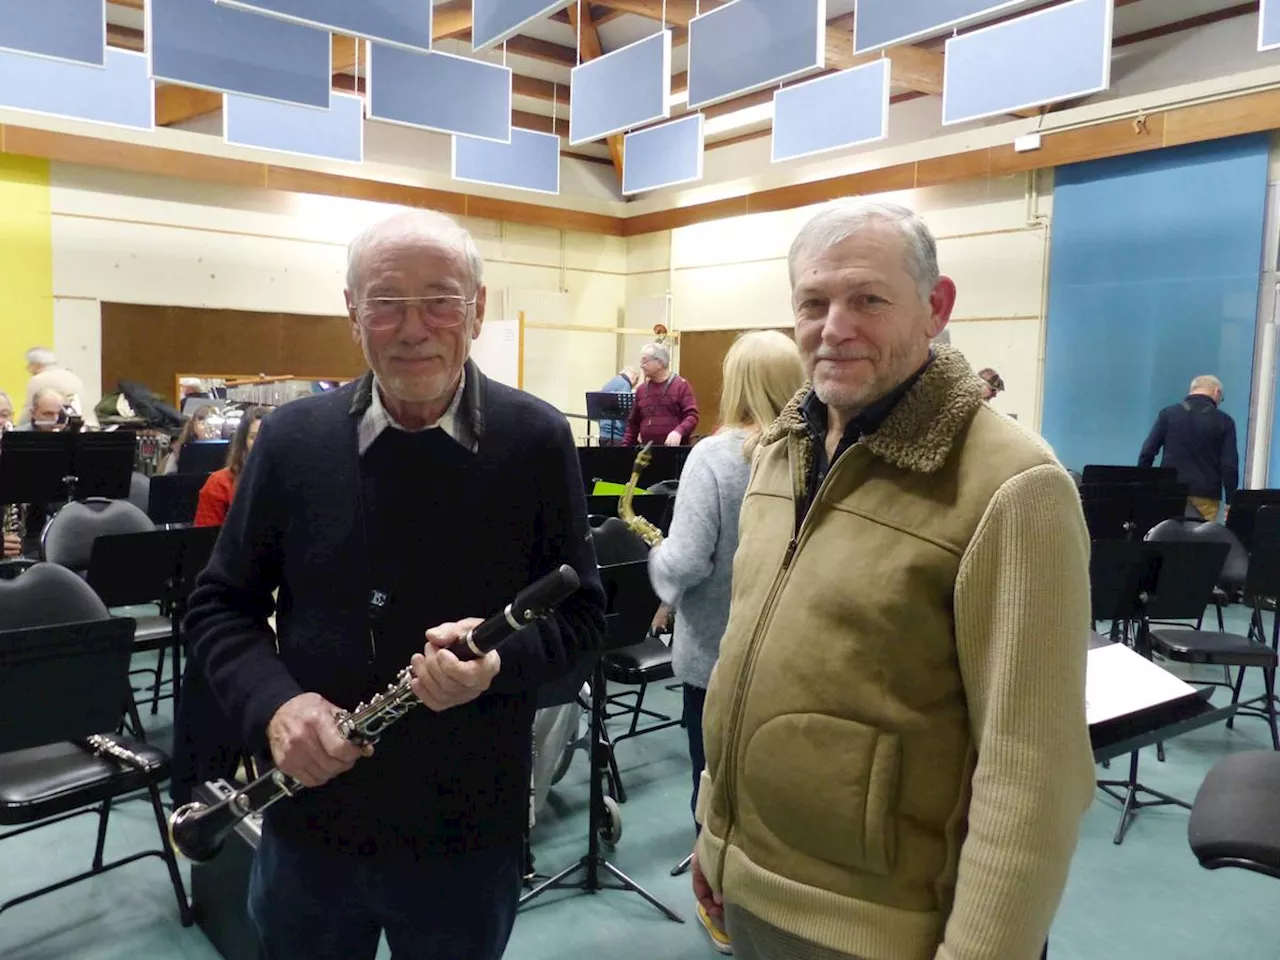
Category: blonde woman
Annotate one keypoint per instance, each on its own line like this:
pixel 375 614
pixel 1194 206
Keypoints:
pixel 691 569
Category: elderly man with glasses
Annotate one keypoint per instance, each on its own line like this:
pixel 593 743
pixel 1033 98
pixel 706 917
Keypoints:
pixel 388 515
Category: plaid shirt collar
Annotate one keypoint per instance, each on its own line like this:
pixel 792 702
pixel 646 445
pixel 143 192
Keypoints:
pixel 376 418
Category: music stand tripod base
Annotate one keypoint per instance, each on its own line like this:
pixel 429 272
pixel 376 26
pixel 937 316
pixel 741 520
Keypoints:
pixel 594 861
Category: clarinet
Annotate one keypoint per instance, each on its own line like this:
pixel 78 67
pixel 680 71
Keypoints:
pixel 198 830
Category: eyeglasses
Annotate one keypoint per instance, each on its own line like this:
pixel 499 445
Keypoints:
pixel 440 311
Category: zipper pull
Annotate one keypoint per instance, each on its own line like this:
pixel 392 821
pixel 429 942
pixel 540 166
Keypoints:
pixel 791 552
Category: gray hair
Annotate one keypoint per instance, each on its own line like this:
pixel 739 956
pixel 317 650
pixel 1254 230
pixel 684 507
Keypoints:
pixel 631 373
pixel 1205 381
pixel 658 352
pixel 41 356
pixel 836 224
pixel 5 397
pixel 44 393
pixel 420 224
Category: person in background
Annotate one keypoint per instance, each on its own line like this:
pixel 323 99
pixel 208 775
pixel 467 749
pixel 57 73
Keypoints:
pixel 220 489
pixel 692 568
pixel 624 381
pixel 664 411
pixel 1199 442
pixel 196 428
pixel 992 384
pixel 6 412
pixel 898 758
pixel 47 373
pixel 12 545
pixel 47 414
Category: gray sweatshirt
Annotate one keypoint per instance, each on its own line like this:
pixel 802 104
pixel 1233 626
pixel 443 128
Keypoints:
pixel 692 569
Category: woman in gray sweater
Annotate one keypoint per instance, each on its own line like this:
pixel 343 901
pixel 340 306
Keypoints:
pixel 692 568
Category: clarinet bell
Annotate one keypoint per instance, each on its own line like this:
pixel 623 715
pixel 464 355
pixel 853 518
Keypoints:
pixel 189 833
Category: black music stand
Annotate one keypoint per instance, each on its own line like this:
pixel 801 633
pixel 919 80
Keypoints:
pixel 65 466
pixel 1107 473
pixel 627 587
pixel 203 456
pixel 609 406
pixel 160 565
pixel 1242 511
pixel 1126 511
pixel 173 497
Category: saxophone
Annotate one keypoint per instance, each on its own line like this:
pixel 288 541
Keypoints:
pixel 638 525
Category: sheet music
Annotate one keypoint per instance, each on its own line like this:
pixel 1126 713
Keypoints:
pixel 1119 681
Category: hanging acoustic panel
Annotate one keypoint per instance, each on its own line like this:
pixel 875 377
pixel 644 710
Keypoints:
pixel 749 44
pixel 119 93
pixel 531 161
pixel 623 89
pixel 74 30
pixel 883 23
pixel 406 23
pixel 1052 54
pixel 662 156
pixel 200 43
pixel 493 21
pixel 440 91
pixel 335 134
pixel 839 110
pixel 1269 25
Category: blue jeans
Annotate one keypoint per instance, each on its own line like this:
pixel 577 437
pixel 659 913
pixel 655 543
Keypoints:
pixel 309 904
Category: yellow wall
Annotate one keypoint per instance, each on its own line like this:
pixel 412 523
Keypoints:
pixel 26 267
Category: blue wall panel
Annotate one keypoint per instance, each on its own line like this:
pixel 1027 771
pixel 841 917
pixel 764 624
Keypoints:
pixel 881 23
pixel 838 110
pixel 203 44
pixel 493 21
pixel 120 93
pixel 662 156
pixel 749 44
pixel 73 30
pixel 1154 280
pixel 336 133
pixel 621 90
pixel 1005 68
pixel 403 22
pixel 1269 25
pixel 531 161
pixel 440 91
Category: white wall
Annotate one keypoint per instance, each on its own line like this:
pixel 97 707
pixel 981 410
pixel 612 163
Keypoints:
pixel 992 239
pixel 138 239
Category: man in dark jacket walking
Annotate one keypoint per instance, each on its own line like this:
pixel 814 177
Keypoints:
pixel 1199 441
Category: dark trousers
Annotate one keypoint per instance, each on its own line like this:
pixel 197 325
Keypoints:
pixel 694 700
pixel 310 904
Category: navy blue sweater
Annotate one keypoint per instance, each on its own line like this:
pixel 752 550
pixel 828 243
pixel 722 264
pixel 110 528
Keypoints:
pixel 448 534
pixel 1199 441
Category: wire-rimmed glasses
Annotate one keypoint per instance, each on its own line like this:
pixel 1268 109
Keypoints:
pixel 438 310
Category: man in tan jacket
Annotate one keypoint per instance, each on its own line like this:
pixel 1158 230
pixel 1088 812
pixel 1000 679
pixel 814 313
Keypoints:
pixel 897 753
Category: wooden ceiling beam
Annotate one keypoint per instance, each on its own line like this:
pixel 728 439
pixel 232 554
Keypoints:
pixel 589 47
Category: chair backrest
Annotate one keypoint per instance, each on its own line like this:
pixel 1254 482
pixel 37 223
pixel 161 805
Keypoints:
pixel 47 595
pixel 630 603
pixel 666 487
pixel 1235 569
pixel 1186 574
pixel 614 542
pixel 140 490
pixel 1179 529
pixel 63 682
pixel 68 537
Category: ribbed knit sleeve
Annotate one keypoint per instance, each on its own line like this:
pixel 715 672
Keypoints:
pixel 1022 619
pixel 683 559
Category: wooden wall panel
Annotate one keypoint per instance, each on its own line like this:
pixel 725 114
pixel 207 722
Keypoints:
pixel 152 345
pixel 702 362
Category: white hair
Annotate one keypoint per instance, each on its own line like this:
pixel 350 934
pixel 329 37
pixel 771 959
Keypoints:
pixel 658 352
pixel 417 224
pixel 1205 381
pixel 836 224
pixel 41 356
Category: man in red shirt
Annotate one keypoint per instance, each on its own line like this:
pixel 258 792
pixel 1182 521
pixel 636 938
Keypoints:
pixel 664 411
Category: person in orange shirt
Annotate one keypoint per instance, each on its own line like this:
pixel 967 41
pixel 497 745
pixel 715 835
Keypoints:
pixel 220 488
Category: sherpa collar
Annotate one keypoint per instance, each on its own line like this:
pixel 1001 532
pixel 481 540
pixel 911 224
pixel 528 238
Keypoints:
pixel 920 432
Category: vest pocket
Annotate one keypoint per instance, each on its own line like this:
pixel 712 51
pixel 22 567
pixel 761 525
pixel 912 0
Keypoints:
pixel 827 788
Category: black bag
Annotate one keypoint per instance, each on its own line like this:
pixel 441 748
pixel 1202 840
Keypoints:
pixel 150 406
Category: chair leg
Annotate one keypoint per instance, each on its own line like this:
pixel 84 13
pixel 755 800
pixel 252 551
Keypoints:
pixel 635 714
pixel 155 691
pixel 166 849
pixel 1221 626
pixel 1269 677
pixel 619 792
pixel 1235 695
pixel 134 720
pixel 104 812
